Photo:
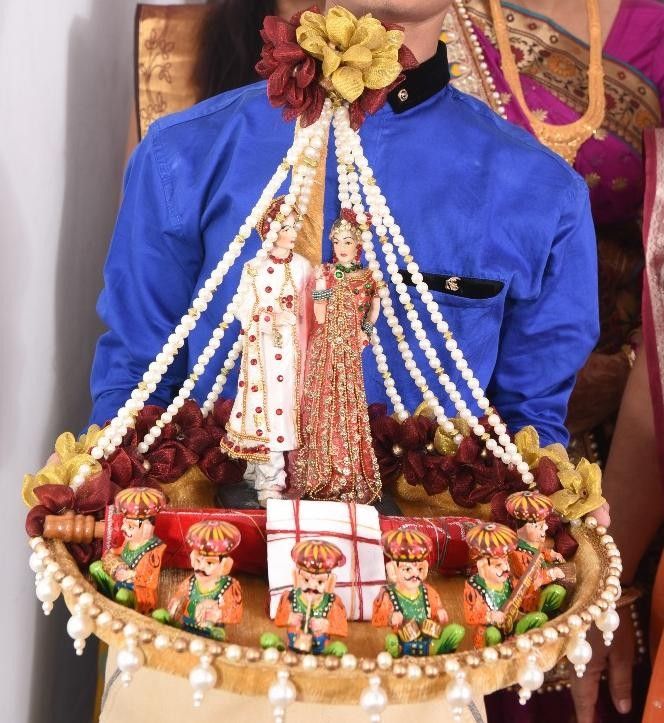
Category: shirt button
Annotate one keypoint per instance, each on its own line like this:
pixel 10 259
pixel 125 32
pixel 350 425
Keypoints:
pixel 402 95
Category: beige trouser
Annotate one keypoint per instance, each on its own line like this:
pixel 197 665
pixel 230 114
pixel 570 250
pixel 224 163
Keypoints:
pixel 155 696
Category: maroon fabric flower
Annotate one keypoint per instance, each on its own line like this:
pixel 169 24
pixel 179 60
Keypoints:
pixel 402 448
pixel 480 475
pixel 289 71
pixel 179 446
pixel 373 100
pixel 219 468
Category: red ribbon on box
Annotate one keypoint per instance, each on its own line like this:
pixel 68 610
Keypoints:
pixel 450 553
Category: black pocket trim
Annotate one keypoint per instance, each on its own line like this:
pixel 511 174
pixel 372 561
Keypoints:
pixel 464 286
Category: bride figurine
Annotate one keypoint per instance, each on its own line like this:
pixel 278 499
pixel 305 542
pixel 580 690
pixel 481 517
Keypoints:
pixel 273 314
pixel 336 460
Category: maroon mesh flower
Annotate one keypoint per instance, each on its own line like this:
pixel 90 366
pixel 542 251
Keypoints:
pixel 403 448
pixel 480 475
pixel 289 71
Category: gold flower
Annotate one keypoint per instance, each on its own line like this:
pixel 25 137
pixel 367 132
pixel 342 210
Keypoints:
pixel 527 443
pixel 71 454
pixel 582 490
pixel 356 54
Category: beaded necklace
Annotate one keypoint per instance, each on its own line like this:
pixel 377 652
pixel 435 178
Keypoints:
pixel 277 260
pixel 340 270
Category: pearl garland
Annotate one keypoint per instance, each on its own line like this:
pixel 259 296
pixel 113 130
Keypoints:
pixel 488 81
pixel 504 449
pixel 302 157
pixel 220 381
pixel 347 183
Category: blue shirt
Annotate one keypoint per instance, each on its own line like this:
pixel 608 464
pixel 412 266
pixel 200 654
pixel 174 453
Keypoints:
pixel 475 197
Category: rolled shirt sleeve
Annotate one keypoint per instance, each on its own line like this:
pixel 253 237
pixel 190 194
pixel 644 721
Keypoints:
pixel 546 339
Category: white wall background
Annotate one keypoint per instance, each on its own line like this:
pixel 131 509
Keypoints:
pixel 65 100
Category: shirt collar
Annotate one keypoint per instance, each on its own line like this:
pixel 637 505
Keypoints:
pixel 427 79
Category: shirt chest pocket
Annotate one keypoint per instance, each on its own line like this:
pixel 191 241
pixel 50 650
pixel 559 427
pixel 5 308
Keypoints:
pixel 473 307
pixel 461 291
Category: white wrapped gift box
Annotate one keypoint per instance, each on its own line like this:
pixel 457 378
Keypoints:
pixel 354 529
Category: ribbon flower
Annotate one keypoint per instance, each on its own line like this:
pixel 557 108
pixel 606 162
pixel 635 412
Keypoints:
pixel 582 490
pixel 71 455
pixel 357 61
pixel 356 54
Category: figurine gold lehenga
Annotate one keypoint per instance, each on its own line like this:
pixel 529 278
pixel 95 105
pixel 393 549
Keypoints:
pixel 264 421
pixel 304 393
pixel 337 460
pixel 209 599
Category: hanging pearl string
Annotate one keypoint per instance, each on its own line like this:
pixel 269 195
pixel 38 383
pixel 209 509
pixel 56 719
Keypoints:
pixel 504 449
pixel 113 434
pixel 348 180
pixel 220 381
pixel 352 197
pixel 300 188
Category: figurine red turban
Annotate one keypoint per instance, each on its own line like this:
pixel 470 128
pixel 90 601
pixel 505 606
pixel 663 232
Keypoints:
pixel 140 503
pixel 406 545
pixel 213 537
pixel 317 556
pixel 529 506
pixel 491 539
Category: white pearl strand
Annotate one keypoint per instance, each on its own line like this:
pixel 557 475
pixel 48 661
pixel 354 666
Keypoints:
pixel 477 51
pixel 300 189
pixel 344 194
pixel 220 381
pixel 504 449
pixel 113 434
pixel 347 141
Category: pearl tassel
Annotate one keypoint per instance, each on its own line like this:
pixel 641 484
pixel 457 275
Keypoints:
pixel 608 622
pixel 373 700
pixel 579 652
pixel 458 693
pixel 202 678
pixel 80 626
pixel 530 678
pixel 281 694
pixel 130 657
pixel 504 448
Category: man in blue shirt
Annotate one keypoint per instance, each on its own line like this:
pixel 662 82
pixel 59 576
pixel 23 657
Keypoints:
pixel 500 227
